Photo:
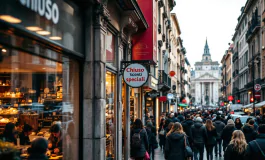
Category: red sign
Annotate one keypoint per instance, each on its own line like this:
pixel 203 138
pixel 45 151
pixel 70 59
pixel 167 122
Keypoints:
pixel 135 75
pixel 145 43
pixel 162 99
pixel 257 87
pixel 257 95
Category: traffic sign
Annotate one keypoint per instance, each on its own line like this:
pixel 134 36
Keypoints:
pixel 257 87
pixel 170 96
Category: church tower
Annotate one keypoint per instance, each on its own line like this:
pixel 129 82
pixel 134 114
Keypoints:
pixel 206 57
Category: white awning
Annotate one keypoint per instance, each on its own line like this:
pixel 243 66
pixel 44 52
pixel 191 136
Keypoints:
pixel 248 106
pixel 258 105
pixel 236 106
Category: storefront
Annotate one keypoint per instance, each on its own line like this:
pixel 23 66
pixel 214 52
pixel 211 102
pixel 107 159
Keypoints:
pixel 40 59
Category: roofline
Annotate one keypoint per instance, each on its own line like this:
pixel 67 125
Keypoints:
pixel 175 19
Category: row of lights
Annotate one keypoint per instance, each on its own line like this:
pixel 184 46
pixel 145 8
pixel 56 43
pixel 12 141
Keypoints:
pixel 36 29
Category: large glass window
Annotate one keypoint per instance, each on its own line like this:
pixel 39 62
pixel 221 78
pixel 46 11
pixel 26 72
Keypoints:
pixel 40 96
pixel 110 118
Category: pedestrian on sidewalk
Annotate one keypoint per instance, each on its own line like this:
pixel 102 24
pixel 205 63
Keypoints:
pixel 187 124
pixel 139 140
pixel 199 136
pixel 227 133
pixel 175 143
pixel 238 124
pixel 162 135
pixel 249 131
pixel 211 139
pixel 256 148
pixel 236 150
pixel 219 125
pixel 151 133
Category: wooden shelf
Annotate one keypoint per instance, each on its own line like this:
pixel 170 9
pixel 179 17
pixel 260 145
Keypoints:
pixel 5 85
pixel 10 97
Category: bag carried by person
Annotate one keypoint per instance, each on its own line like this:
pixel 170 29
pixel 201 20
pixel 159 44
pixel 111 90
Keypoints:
pixel 162 132
pixel 146 156
pixel 136 140
pixel 259 148
pixel 188 150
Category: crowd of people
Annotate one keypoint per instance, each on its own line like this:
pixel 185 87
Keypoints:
pixel 218 134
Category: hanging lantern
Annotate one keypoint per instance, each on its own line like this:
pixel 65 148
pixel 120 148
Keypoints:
pixel 172 73
pixel 184 101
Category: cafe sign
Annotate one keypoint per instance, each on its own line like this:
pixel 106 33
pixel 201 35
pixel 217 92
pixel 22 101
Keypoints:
pixel 135 75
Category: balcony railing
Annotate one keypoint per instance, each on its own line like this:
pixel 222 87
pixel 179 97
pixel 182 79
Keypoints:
pixel 235 56
pixel 164 79
pixel 254 26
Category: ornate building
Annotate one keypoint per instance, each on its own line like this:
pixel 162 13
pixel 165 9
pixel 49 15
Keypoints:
pixel 206 80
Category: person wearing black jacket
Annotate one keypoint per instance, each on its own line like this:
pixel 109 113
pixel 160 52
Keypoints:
pixel 227 133
pixel 38 149
pixel 219 125
pixel 162 136
pixel 24 135
pixel 199 136
pixel 249 131
pixel 187 124
pixel 253 151
pixel 175 145
pixel 151 133
pixel 138 128
pixel 211 139
pixel 238 124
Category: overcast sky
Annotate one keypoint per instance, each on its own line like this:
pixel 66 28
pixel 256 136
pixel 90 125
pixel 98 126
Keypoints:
pixel 214 19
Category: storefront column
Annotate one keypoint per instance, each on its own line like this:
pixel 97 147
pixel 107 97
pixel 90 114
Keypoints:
pixel 94 129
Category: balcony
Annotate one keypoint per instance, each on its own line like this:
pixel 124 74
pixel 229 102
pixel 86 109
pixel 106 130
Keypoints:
pixel 235 57
pixel 164 81
pixel 254 26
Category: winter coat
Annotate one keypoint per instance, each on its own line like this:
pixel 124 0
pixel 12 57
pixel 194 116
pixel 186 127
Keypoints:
pixel 231 154
pixel 175 119
pixel 211 137
pixel 199 133
pixel 227 134
pixel 162 138
pixel 175 147
pixel 24 140
pixel 249 132
pixel 253 151
pixel 140 152
pixel 219 126
pixel 238 126
pixel 187 124
pixel 151 133
pixel 181 118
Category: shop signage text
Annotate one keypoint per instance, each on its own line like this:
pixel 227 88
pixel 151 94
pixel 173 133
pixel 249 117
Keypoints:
pixel 135 75
pixel 44 8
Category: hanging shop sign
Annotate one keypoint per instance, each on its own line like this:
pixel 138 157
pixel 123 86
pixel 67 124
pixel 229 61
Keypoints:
pixel 43 8
pixel 135 75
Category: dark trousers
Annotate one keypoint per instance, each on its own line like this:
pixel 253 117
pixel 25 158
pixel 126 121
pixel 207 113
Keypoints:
pixel 218 147
pixel 151 152
pixel 198 149
pixel 209 150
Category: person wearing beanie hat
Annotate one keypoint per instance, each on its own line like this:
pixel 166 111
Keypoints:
pixel 199 137
pixel 227 133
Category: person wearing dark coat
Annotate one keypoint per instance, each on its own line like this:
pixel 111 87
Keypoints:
pixel 24 135
pixel 10 134
pixel 151 133
pixel 219 126
pixel 253 151
pixel 211 138
pixel 38 149
pixel 238 124
pixel 237 148
pixel 249 131
pixel 161 132
pixel 138 128
pixel 56 139
pixel 187 124
pixel 199 136
pixel 227 133
pixel 175 145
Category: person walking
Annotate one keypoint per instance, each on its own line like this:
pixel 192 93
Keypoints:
pixel 211 139
pixel 199 136
pixel 162 136
pixel 139 140
pixel 227 133
pixel 151 133
pixel 238 124
pixel 236 150
pixel 175 143
pixel 219 125
pixel 249 131
pixel 256 148
pixel 187 124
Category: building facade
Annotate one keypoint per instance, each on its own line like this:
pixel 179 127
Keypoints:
pixel 206 80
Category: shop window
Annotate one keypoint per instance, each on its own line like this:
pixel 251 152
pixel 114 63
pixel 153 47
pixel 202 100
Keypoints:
pixel 110 49
pixel 110 118
pixel 42 97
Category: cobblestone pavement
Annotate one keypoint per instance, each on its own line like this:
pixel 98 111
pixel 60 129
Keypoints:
pixel 160 156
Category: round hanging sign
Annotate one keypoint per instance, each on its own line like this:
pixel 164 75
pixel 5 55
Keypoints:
pixel 135 75
pixel 172 73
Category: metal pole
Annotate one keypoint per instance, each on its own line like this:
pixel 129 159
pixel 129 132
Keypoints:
pixel 253 87
pixel 127 123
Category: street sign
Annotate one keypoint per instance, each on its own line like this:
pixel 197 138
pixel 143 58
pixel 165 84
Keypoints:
pixel 170 96
pixel 257 87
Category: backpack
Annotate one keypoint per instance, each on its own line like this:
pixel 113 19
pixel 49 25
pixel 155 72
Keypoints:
pixel 136 140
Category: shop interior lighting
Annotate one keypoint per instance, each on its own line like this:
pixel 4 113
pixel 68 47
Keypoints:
pixel 16 68
pixel 56 38
pixel 43 68
pixel 10 19
pixel 43 33
pixel 34 28
pixel 4 50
